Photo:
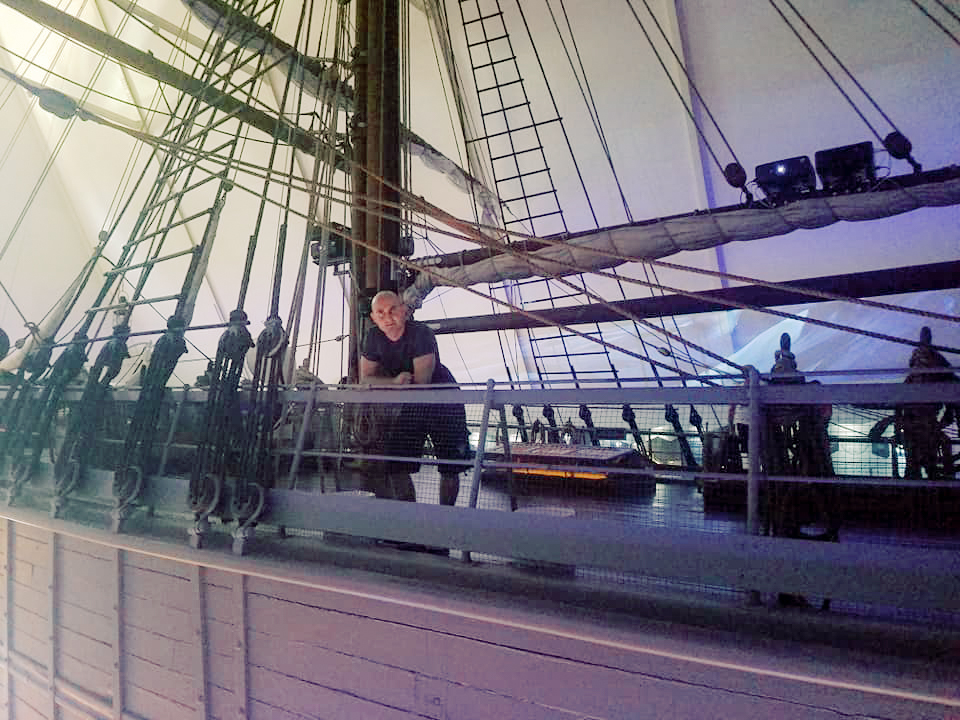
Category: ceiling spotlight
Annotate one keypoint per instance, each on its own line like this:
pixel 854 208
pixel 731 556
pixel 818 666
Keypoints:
pixel 846 169
pixel 787 179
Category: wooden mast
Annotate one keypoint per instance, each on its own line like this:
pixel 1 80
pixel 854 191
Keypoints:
pixel 376 147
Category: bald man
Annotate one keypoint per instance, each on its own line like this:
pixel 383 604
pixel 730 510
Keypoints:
pixel 400 351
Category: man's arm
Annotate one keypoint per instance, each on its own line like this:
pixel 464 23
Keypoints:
pixel 423 367
pixel 370 374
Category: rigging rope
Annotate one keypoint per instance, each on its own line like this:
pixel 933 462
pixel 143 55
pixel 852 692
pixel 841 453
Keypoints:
pixel 587 93
pixel 676 89
pixel 839 62
pixel 480 239
pixel 682 65
pixel 936 22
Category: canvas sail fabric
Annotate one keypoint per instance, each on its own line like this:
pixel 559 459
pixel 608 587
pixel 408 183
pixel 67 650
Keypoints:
pixel 610 247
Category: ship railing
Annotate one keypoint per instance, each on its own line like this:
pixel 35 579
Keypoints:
pixel 623 509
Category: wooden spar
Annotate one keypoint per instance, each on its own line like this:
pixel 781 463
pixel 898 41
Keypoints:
pixel 383 139
pixel 376 147
pixel 150 66
pixel 872 283
pixel 358 127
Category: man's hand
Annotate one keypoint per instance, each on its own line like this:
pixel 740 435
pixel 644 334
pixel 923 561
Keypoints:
pixel 404 378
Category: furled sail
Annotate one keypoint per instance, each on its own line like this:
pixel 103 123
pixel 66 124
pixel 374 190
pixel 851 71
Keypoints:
pixel 649 240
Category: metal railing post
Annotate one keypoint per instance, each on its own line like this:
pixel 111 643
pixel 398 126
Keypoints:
pixel 302 436
pixel 753 451
pixel 481 443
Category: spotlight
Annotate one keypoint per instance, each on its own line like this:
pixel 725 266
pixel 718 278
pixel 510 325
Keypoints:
pixel 846 169
pixel 788 179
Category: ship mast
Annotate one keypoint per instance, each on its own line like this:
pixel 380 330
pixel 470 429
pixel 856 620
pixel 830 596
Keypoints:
pixel 376 170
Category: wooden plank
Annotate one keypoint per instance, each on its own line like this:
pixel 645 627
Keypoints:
pixel 92 568
pixel 161 566
pixel 146 614
pixel 27 615
pixel 28 700
pixel 84 675
pixel 221 639
pixel 241 659
pixel 264 711
pixel 152 647
pixel 222 674
pixel 93 652
pixel 71 712
pixel 116 591
pixel 91 592
pixel 52 634
pixel 7 616
pixel 148 704
pixel 357 636
pixel 22 710
pixel 160 588
pixel 223 704
pixel 29 574
pixel 175 686
pixel 220 603
pixel 298 696
pixel 30 550
pixel 85 622
pixel 31 532
pixel 74 545
pixel 440 699
pixel 28 644
pixel 214 577
pixel 30 599
pixel 389 685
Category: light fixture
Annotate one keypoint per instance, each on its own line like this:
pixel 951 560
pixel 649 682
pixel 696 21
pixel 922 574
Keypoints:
pixel 787 179
pixel 846 169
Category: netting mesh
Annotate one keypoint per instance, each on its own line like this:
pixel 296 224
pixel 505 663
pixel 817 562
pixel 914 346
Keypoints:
pixel 881 474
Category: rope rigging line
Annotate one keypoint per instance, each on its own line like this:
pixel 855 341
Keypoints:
pixel 676 89
pixel 473 237
pixel 837 60
pixel 780 313
pixel 87 90
pixel 693 86
pixel 823 67
pixel 530 314
pixel 810 292
pixel 330 151
pixel 646 323
pixel 936 22
pixel 586 93
pixel 70 81
pixel 563 128
pixel 478 238
pixel 732 304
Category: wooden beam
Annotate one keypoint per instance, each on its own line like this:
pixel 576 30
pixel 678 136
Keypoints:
pixel 874 283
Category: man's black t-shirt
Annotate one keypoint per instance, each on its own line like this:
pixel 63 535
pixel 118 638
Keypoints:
pixel 397 357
